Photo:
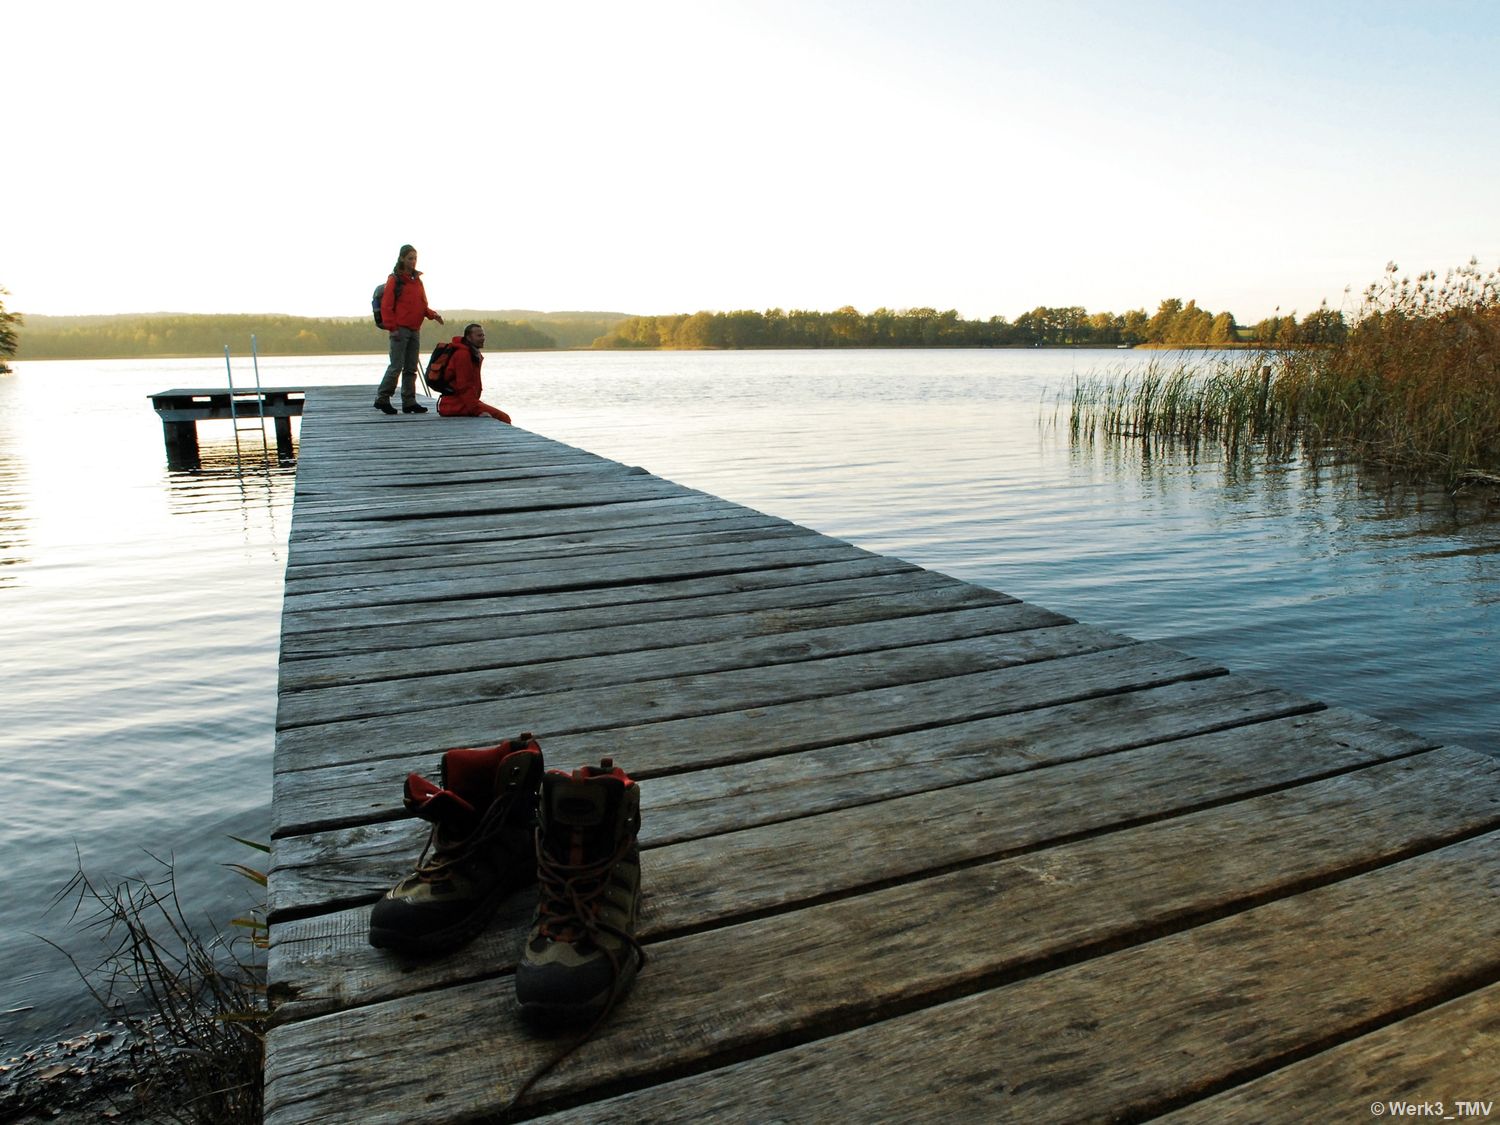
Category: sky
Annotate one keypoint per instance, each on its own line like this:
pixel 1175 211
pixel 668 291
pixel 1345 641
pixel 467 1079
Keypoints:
pixel 657 157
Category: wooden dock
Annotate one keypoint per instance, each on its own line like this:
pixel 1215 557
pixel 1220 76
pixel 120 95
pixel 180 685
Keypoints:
pixel 914 850
pixel 182 408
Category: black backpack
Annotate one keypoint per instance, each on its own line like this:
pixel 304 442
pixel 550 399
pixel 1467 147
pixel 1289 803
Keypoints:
pixel 439 378
pixel 379 294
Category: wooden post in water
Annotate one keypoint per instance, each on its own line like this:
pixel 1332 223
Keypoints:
pixel 1265 395
pixel 182 444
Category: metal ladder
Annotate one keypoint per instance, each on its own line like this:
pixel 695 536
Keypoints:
pixel 260 404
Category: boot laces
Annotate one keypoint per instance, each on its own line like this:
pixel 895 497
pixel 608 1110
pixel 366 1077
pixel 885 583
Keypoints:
pixel 570 900
pixel 448 854
pixel 569 897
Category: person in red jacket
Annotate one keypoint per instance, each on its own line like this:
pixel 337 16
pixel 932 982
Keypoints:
pixel 403 307
pixel 463 372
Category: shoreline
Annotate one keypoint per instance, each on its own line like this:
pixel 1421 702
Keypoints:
pixel 84 1077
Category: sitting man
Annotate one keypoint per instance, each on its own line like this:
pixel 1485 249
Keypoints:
pixel 463 370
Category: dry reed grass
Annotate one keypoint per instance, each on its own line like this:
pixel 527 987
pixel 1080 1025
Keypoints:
pixel 196 1008
pixel 1415 386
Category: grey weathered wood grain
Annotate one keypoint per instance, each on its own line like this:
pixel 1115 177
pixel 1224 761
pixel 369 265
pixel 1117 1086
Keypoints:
pixel 442 567
pixel 526 577
pixel 560 495
pixel 662 521
pixel 780 867
pixel 662 510
pixel 1122 1036
pixel 494 642
pixel 330 869
pixel 550 549
pixel 1224 994
pixel 558 544
pixel 358 789
pixel 550 615
pixel 339 631
pixel 598 708
pixel 442 684
pixel 1448 1054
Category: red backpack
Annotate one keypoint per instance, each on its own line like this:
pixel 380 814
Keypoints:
pixel 439 378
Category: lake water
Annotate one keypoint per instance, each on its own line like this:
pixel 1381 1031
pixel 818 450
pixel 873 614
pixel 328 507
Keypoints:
pixel 141 606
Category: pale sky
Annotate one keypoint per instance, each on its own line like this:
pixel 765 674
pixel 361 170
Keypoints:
pixel 657 157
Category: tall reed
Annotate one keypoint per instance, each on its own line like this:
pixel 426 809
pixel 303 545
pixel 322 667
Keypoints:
pixel 1228 401
pixel 1415 386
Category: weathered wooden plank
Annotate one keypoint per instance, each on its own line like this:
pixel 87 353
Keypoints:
pixel 559 543
pixel 1224 995
pixel 343 631
pixel 456 473
pixel 508 580
pixel 358 790
pixel 560 492
pixel 602 708
pixel 501 642
pixel 697 653
pixel 486 526
pixel 1449 1055
pixel 560 503
pixel 444 571
pixel 458 469
pixel 327 870
pixel 355 506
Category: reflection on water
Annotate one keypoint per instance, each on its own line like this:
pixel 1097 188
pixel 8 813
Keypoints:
pixel 13 521
pixel 244 479
pixel 141 606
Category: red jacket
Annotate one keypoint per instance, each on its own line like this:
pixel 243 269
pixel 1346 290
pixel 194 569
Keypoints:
pixel 464 374
pixel 411 310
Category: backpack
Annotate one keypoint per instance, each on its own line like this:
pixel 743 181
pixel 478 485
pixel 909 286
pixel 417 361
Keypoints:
pixel 379 295
pixel 439 378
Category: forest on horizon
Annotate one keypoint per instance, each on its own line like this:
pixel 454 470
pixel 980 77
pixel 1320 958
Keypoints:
pixel 1175 324
pixel 127 335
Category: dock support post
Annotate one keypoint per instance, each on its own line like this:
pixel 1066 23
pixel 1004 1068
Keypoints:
pixel 182 444
pixel 283 438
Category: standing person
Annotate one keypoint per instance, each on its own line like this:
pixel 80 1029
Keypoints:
pixel 463 371
pixel 403 307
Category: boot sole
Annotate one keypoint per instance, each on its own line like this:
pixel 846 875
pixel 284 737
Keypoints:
pixel 443 941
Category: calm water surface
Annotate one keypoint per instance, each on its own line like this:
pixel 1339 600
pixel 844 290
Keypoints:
pixel 141 606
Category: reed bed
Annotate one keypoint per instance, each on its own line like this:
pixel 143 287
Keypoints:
pixel 1414 386
pixel 1228 402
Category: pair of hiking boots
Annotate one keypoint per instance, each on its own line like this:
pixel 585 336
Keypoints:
pixel 500 822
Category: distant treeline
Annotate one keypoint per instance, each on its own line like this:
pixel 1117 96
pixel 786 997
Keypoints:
pixel 100 337
pixel 1175 324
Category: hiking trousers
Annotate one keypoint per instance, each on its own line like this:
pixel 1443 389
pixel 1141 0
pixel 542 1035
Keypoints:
pixel 406 346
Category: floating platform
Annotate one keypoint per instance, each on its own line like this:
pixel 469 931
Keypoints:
pixel 914 850
pixel 182 408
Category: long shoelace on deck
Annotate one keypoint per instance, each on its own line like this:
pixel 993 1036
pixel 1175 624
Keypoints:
pixel 444 857
pixel 567 894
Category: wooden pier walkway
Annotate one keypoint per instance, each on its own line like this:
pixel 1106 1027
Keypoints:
pixel 914 850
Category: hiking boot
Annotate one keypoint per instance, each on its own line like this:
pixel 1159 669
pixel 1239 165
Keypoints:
pixel 414 408
pixel 482 847
pixel 581 955
pixel 384 406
